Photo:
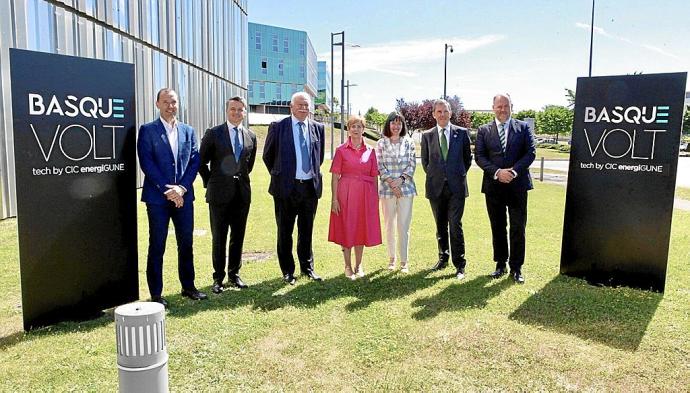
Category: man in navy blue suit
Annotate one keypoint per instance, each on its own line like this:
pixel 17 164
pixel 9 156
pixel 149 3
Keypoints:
pixel 169 158
pixel 505 149
pixel 446 158
pixel 293 154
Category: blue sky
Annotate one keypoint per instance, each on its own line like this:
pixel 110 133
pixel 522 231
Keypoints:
pixel 530 49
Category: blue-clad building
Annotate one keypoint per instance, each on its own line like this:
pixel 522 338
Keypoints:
pixel 324 95
pixel 281 62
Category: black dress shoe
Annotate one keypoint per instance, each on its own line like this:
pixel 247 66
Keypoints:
pixel 500 271
pixel 518 277
pixel 312 275
pixel 237 282
pixel 289 278
pixel 194 294
pixel 160 299
pixel 440 265
pixel 217 287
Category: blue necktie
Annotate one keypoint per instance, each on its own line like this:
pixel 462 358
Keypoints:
pixel 238 147
pixel 306 161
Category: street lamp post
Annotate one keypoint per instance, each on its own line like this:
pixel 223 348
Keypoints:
pixel 342 44
pixel 591 40
pixel 348 85
pixel 445 67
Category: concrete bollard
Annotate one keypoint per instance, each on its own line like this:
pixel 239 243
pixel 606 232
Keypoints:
pixel 142 355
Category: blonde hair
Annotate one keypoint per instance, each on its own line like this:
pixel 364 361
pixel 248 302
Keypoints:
pixel 354 119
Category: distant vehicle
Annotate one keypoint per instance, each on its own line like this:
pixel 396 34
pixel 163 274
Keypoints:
pixel 684 146
pixel 545 140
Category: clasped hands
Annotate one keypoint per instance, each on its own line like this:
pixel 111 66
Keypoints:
pixel 395 184
pixel 505 175
pixel 174 194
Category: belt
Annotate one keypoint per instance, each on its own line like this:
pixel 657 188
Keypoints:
pixel 303 181
pixel 367 179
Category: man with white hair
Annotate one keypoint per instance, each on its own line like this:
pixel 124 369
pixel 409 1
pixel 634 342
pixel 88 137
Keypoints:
pixel 293 154
pixel 504 150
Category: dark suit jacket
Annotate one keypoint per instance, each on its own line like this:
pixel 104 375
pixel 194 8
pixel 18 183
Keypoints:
pixel 279 156
pixel 157 161
pixel 219 179
pixel 519 154
pixel 454 169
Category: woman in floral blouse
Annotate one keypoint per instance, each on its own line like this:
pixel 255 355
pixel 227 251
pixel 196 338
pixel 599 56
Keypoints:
pixel 395 153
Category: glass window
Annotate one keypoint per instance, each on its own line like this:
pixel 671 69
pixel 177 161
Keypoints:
pixel 264 66
pixel 41 26
pixel 250 90
pixel 301 48
pixel 262 90
pixel 286 44
pixel 274 41
pixel 301 71
pixel 257 40
pixel 279 95
pixel 281 67
pixel 153 22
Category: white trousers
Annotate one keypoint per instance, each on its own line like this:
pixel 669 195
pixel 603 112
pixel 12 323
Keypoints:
pixel 397 214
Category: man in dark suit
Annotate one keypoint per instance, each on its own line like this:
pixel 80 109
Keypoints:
pixel 169 158
pixel 505 149
pixel 293 154
pixel 446 157
pixel 231 150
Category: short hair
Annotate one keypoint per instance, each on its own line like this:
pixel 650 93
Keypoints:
pixel 504 95
pixel 238 99
pixel 166 90
pixel 393 116
pixel 440 101
pixel 300 94
pixel 354 119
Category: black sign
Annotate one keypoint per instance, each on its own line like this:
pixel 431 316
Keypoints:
pixel 75 163
pixel 622 179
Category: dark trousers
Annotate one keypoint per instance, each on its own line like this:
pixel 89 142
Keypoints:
pixel 300 205
pixel 515 203
pixel 448 210
pixel 233 217
pixel 183 221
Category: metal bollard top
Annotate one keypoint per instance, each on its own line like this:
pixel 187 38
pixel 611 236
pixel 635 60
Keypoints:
pixel 140 334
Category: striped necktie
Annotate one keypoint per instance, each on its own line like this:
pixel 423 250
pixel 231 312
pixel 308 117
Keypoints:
pixel 502 136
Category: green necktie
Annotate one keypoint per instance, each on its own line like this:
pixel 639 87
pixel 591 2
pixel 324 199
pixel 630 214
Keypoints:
pixel 444 144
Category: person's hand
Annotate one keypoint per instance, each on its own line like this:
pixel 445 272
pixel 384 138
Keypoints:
pixel 505 176
pixel 335 206
pixel 397 192
pixel 395 183
pixel 174 195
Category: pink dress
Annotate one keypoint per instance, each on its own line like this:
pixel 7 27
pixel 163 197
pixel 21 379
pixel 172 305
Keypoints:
pixel 358 222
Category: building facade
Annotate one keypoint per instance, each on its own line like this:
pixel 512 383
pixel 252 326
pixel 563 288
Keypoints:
pixel 198 48
pixel 325 95
pixel 281 62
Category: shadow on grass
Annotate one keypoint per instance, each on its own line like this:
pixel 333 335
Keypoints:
pixel 460 295
pixel 617 317
pixel 275 294
pixel 67 327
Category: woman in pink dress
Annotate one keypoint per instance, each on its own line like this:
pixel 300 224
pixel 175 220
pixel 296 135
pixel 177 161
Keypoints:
pixel 354 207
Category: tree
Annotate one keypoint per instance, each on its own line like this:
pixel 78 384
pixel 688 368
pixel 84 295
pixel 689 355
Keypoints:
pixel 478 119
pixel 524 114
pixel 555 119
pixel 419 115
pixel 570 96
pixel 686 120
pixel 373 116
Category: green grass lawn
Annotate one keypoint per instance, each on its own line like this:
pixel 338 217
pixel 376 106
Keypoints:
pixel 423 331
pixel 550 154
